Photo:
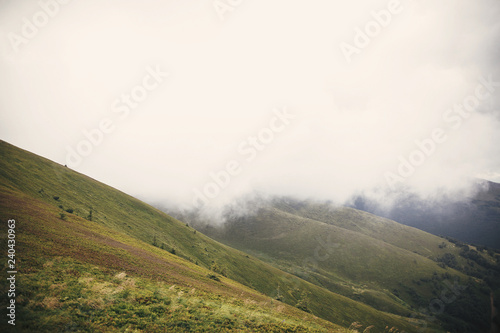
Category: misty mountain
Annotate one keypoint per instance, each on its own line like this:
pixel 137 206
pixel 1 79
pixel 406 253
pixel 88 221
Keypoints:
pixel 379 262
pixel 94 259
pixel 474 219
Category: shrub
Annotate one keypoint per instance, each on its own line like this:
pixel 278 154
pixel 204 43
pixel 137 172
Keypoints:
pixel 218 269
pixel 56 198
pixel 303 303
pixel 69 210
pixel 213 277
pixel 448 259
pixel 89 217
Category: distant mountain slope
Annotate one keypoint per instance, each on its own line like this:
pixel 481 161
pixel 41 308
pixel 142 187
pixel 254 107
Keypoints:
pixel 474 220
pixel 78 239
pixel 379 262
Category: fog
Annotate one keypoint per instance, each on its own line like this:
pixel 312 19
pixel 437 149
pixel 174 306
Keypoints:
pixel 202 103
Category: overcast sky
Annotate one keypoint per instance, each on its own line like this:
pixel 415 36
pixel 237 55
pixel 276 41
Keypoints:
pixel 201 101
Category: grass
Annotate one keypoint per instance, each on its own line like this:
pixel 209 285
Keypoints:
pixel 126 235
pixel 378 262
pixel 89 298
pixel 78 275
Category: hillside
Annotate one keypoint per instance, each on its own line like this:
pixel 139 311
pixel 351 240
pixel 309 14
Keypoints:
pixel 92 258
pixel 474 219
pixel 384 264
pixel 77 275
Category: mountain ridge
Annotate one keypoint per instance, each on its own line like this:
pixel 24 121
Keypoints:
pixel 365 252
pixel 474 218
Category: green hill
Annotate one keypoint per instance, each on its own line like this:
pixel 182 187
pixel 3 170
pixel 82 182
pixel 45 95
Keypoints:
pixel 384 264
pixel 91 258
pixel 474 218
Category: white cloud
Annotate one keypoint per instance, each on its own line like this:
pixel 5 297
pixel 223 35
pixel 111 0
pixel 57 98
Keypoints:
pixel 353 120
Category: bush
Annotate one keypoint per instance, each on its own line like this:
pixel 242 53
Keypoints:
pixel 69 210
pixel 218 269
pixel 474 256
pixel 448 259
pixel 213 277
pixel 56 198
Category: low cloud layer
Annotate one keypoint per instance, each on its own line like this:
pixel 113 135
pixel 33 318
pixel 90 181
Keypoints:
pixel 200 103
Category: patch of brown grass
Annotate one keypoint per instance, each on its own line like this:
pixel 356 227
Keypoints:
pixel 51 303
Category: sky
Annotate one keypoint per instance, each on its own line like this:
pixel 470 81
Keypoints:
pixel 198 103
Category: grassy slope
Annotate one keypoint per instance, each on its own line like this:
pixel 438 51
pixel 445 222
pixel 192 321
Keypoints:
pixel 388 231
pixel 352 259
pixel 473 218
pixel 396 234
pixel 353 253
pixel 76 274
pixel 119 238
pixel 391 232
